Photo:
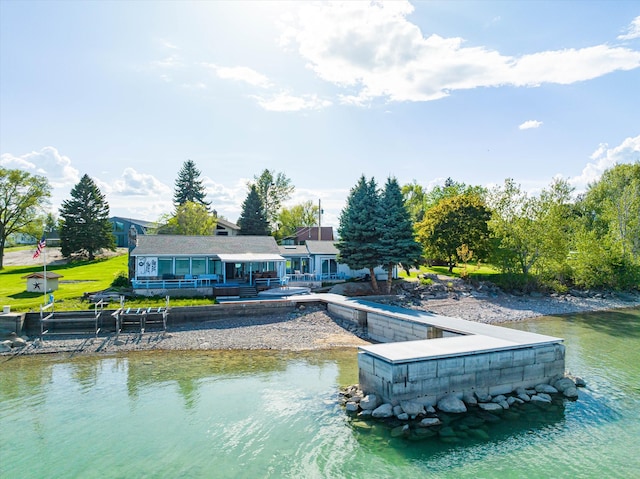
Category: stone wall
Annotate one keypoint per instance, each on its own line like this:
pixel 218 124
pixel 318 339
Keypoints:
pixel 387 329
pixel 489 372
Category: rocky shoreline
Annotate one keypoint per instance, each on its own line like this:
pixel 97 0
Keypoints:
pixel 455 418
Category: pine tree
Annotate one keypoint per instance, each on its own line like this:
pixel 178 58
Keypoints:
pixel 359 229
pixel 85 226
pixel 189 187
pixel 253 220
pixel 397 238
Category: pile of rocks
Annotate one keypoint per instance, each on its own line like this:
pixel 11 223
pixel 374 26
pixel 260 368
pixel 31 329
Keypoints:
pixel 414 418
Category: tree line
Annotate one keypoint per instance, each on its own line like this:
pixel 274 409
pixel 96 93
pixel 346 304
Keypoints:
pixel 553 240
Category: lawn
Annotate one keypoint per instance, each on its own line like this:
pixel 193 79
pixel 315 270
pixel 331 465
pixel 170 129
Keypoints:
pixel 78 278
pixel 482 272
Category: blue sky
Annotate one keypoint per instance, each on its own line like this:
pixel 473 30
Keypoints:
pixel 479 91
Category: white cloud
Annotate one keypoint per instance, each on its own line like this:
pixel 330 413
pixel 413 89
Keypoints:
pixel 371 49
pixel 244 74
pixel 286 102
pixel 169 62
pixel 604 158
pixel 527 125
pixel 46 162
pixel 135 183
pixel 633 30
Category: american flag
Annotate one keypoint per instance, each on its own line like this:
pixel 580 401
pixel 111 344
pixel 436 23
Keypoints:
pixel 41 244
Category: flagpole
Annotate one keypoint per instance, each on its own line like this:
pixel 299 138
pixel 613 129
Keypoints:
pixel 44 265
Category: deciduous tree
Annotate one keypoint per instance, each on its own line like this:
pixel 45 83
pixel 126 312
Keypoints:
pixel 22 198
pixel 453 222
pixel 192 219
pixel 273 189
pixel 301 215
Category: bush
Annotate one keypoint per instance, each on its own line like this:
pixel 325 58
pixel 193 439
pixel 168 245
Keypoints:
pixel 121 281
pixel 426 281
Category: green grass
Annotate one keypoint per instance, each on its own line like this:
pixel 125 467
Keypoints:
pixel 484 272
pixel 78 278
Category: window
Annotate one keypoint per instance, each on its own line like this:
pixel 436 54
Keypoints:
pixel 215 266
pixel 165 266
pixel 182 266
pixel 198 266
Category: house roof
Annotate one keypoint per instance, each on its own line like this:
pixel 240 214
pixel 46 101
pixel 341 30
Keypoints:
pixel 308 233
pixel 294 250
pixel 228 224
pixel 179 245
pixel 322 247
pixel 143 223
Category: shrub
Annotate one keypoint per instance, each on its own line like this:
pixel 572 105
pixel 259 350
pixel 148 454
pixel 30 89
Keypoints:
pixel 121 280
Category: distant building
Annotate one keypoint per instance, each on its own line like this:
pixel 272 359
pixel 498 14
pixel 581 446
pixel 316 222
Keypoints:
pixel 309 233
pixel 120 228
pixel 226 228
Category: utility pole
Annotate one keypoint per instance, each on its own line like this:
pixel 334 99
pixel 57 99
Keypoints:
pixel 319 218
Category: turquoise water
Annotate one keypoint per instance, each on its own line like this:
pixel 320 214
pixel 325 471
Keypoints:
pixel 270 414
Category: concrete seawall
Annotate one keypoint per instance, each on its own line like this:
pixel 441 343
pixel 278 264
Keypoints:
pixel 424 356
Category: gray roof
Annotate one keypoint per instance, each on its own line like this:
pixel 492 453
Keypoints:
pixel 294 250
pixel 228 224
pixel 178 245
pixel 322 247
pixel 143 223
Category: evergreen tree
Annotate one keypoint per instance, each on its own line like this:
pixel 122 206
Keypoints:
pixel 253 220
pixel 189 186
pixel 85 227
pixel 397 238
pixel 359 229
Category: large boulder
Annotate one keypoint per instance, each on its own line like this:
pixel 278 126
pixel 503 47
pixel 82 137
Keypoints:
pixel 546 388
pixel 412 408
pixel 563 384
pixel 370 401
pixel 541 399
pixel 384 411
pixel 452 404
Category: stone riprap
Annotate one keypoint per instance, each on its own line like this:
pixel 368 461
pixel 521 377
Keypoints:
pixel 454 419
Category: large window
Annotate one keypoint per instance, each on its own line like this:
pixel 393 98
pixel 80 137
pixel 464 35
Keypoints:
pixel 215 266
pixel 165 266
pixel 198 266
pixel 182 266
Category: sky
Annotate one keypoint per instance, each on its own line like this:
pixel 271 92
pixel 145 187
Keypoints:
pixel 478 91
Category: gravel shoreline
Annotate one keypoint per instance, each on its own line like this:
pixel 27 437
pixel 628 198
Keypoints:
pixel 312 328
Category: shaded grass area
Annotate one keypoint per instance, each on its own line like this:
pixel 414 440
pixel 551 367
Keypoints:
pixel 482 272
pixel 79 277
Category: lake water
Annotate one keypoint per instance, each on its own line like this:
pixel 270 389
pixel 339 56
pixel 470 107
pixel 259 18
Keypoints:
pixel 272 414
